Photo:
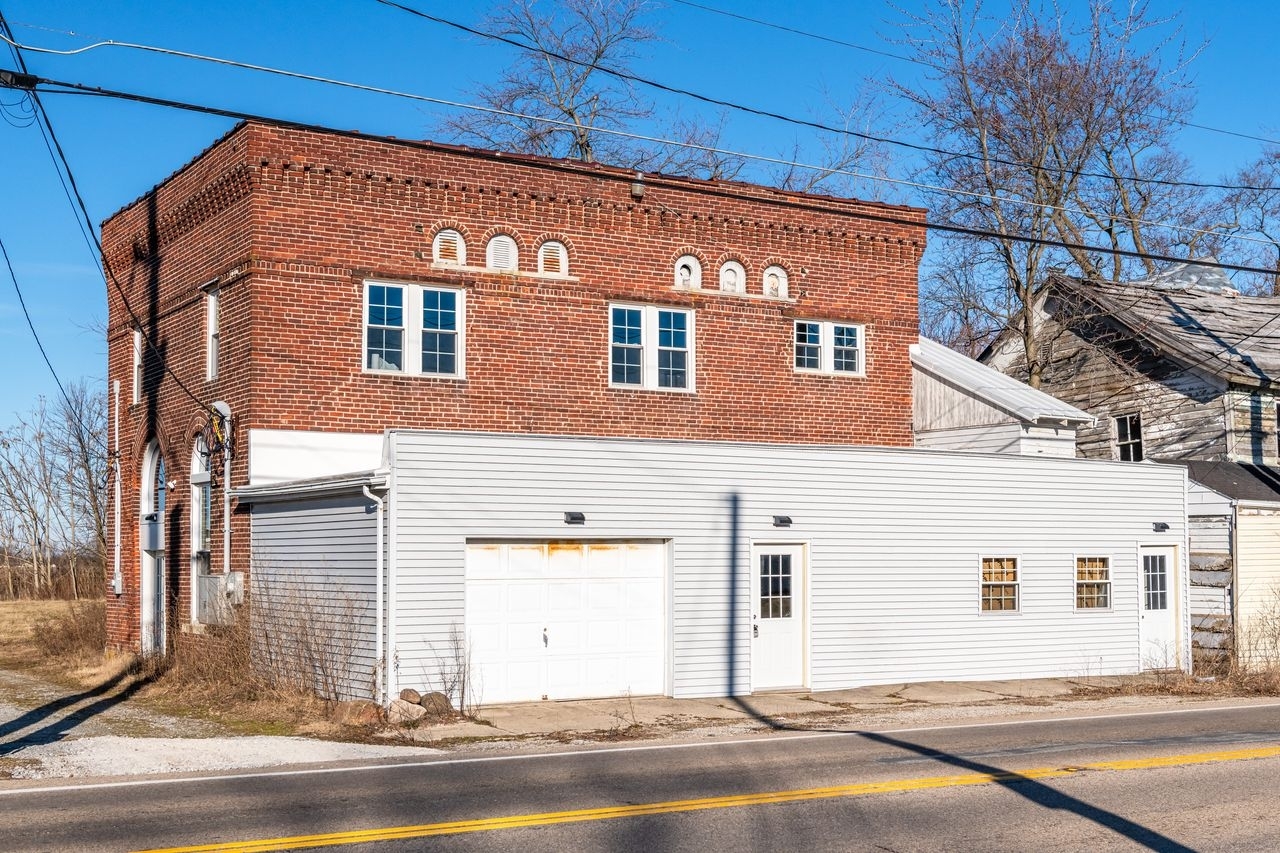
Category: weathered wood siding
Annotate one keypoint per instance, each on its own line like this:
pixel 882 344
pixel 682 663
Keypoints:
pixel 1105 373
pixel 1211 588
pixel 1258 586
pixel 939 405
pixel 1253 423
pixel 1000 438
pixel 894 539
pixel 313 578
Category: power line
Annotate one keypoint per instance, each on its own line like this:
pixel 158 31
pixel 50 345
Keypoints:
pixel 1181 229
pixel 797 201
pixel 916 61
pixel 814 125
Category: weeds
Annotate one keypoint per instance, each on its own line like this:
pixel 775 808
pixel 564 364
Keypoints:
pixel 76 634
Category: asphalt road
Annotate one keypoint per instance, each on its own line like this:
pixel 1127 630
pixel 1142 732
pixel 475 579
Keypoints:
pixel 1197 780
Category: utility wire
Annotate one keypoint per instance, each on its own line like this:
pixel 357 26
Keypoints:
pixel 916 61
pixel 1181 229
pixel 796 201
pixel 762 113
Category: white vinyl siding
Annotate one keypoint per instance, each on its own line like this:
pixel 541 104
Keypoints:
pixel 1257 591
pixel 314 564
pixel 893 538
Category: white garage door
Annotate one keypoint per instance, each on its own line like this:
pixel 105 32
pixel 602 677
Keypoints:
pixel 565 620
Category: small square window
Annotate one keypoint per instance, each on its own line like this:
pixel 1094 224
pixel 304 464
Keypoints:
pixel 650 347
pixel 999 584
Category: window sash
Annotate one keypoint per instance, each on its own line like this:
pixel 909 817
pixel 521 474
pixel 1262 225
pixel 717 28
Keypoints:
pixel 651 347
pixel 403 319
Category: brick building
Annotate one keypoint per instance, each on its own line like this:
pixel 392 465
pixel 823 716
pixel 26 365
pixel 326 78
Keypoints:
pixel 589 432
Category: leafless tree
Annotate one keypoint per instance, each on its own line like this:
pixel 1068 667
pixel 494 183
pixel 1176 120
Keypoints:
pixel 1255 212
pixel 1051 129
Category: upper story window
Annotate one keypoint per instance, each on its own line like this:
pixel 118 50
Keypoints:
pixel 1129 437
pixel 449 248
pixel 775 282
pixel 829 347
pixel 999 584
pixel 414 329
pixel 136 396
pixel 502 253
pixel 212 332
pixel 688 273
pixel 650 347
pixel 733 278
pixel 202 497
pixel 553 258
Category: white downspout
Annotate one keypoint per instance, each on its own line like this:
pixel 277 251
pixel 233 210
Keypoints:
pixel 378 656
pixel 393 662
pixel 117 579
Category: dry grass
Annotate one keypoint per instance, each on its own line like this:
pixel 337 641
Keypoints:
pixel 18 649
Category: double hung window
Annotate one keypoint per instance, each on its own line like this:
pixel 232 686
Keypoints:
pixel 1129 437
pixel 999 584
pixel 650 347
pixel 414 329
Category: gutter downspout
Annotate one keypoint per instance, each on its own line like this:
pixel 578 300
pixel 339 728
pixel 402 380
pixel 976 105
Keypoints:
pixel 378 656
pixel 393 657
pixel 117 579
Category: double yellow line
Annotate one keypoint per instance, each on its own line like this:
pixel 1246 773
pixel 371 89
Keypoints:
pixel 364 836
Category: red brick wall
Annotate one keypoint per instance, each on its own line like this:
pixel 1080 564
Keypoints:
pixel 297 221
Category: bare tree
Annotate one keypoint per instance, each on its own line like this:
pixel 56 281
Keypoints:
pixel 1049 130
pixel 1255 212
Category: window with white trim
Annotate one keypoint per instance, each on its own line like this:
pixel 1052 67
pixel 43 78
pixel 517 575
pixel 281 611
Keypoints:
pixel 775 282
pixel 553 258
pixel 212 332
pixel 1129 437
pixel 449 248
pixel 688 273
pixel 650 347
pixel 502 253
pixel 414 329
pixel 137 366
pixel 733 278
pixel 999 584
pixel 201 525
pixel 1093 583
pixel 823 346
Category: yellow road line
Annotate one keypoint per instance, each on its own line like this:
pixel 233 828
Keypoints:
pixel 364 836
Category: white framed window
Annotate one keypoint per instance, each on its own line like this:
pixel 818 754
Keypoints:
pixel 553 258
pixel 212 332
pixel 775 282
pixel 201 524
pixel 650 347
pixel 1129 437
pixel 449 248
pixel 824 346
pixel 688 273
pixel 502 253
pixel 414 329
pixel 999 584
pixel 733 278
pixel 137 366
pixel 1093 583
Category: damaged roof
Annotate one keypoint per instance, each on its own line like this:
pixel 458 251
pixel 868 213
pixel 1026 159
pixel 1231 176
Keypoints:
pixel 1236 480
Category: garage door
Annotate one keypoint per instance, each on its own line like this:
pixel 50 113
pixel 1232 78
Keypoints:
pixel 565 620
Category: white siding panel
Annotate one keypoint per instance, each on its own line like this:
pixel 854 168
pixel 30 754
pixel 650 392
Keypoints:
pixel 313 573
pixel 894 538
pixel 1258 586
pixel 992 438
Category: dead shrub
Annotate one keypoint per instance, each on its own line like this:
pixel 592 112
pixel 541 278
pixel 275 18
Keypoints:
pixel 75 634
pixel 215 664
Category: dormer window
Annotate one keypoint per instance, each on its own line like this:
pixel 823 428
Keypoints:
pixel 733 277
pixel 688 273
pixel 775 282
pixel 553 258
pixel 501 253
pixel 449 248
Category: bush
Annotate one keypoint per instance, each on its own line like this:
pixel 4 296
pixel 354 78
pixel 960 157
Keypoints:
pixel 78 632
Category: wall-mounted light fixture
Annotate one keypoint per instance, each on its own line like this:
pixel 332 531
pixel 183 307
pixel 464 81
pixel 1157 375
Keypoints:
pixel 637 190
pixel 1160 526
pixel 575 518
pixel 782 521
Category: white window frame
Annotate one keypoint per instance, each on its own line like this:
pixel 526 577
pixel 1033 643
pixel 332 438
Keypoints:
pixel 213 332
pixel 783 282
pixel 136 398
pixel 1121 444
pixel 739 273
pixel 1108 583
pixel 497 245
pixel 412 331
pixel 461 244
pixel 984 584
pixel 649 348
pixel 695 273
pixel 826 345
pixel 561 252
pixel 201 520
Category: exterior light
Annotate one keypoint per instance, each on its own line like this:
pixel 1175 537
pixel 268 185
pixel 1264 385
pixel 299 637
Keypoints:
pixel 575 518
pixel 782 521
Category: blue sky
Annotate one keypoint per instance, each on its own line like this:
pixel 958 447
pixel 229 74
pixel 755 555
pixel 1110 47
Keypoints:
pixel 118 150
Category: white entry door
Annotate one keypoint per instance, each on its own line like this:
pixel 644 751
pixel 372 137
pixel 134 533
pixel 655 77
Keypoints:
pixel 1158 630
pixel 778 618
pixel 566 620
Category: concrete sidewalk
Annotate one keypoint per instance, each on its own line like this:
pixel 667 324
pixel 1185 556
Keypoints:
pixel 658 716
